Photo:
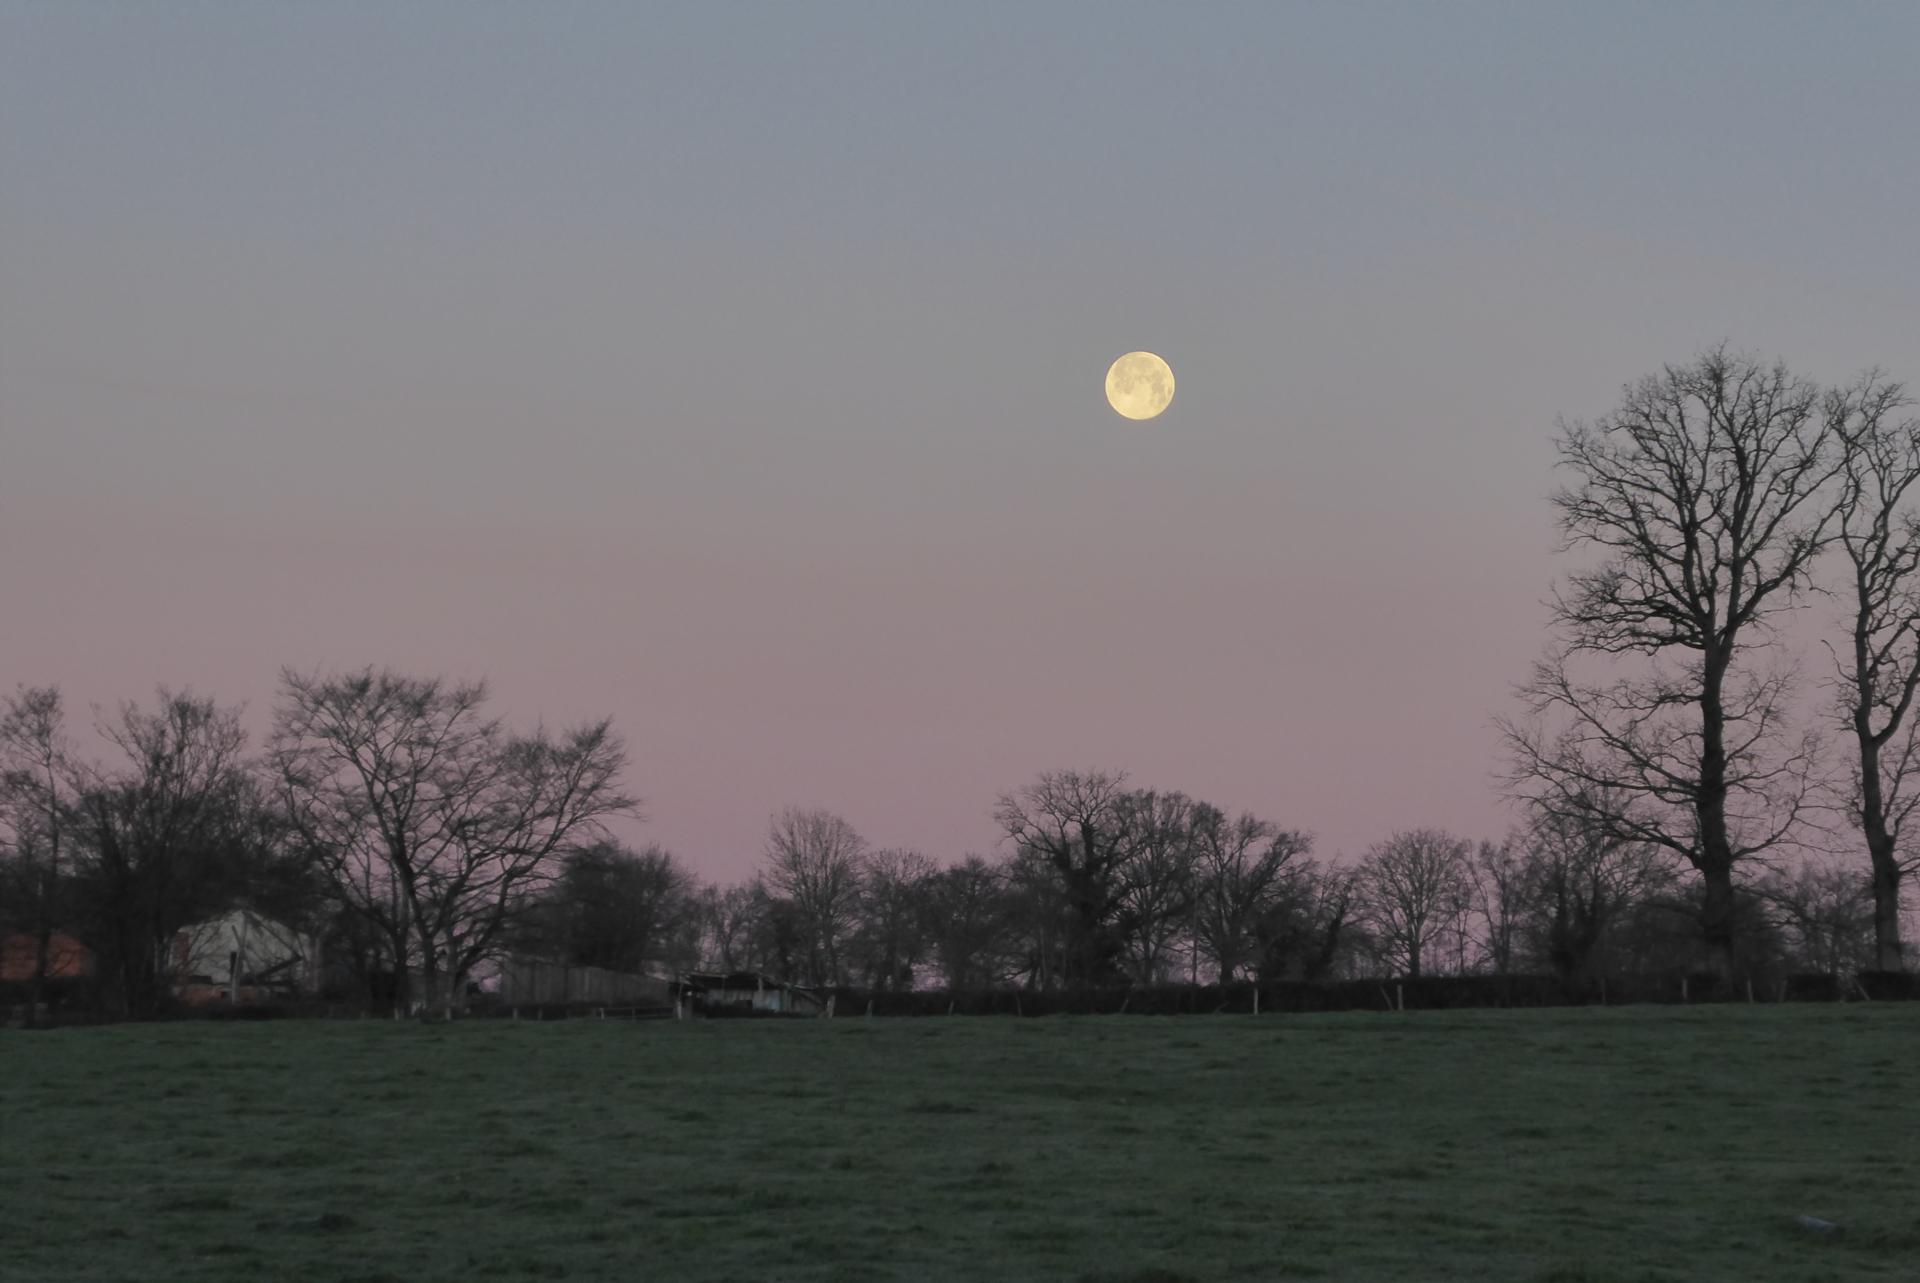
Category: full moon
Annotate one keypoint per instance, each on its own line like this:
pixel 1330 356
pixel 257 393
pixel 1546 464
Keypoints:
pixel 1139 385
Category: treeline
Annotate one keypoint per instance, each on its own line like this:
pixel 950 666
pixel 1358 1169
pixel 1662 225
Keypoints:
pixel 1103 886
pixel 416 840
pixel 1688 801
pixel 389 818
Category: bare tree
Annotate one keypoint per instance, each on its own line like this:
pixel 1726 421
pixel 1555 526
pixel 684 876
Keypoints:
pixel 892 935
pixel 1497 881
pixel 35 798
pixel 730 915
pixel 1079 825
pixel 1580 879
pixel 1043 929
pixel 165 835
pixel 1307 929
pixel 1157 886
pixel 1414 889
pixel 967 920
pixel 779 939
pixel 816 862
pixel 1826 911
pixel 1242 867
pixel 1879 532
pixel 1701 494
pixel 615 908
pixel 435 822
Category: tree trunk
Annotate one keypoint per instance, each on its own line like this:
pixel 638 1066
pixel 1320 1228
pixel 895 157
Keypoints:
pixel 1716 919
pixel 37 991
pixel 429 986
pixel 127 964
pixel 44 898
pixel 1714 858
pixel 1888 953
pixel 401 982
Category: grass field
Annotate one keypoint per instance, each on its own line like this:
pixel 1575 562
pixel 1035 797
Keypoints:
pixel 1570 1145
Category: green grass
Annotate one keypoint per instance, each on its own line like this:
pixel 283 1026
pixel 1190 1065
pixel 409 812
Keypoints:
pixel 1571 1146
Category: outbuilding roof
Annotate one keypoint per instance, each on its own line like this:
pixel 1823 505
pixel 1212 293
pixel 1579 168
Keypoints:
pixel 703 981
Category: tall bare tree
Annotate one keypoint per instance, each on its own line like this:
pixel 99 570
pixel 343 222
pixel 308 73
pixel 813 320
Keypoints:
pixel 1157 884
pixel 35 797
pixel 1702 494
pixel 1414 890
pixel 435 822
pixel 816 863
pixel 1242 866
pixel 166 833
pixel 1079 825
pixel 967 920
pixel 1878 530
pixel 892 935
pixel 1497 883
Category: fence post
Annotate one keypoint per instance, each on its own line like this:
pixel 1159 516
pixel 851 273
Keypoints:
pixel 1400 996
pixel 1256 1000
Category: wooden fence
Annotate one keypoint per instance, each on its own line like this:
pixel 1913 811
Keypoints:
pixel 528 982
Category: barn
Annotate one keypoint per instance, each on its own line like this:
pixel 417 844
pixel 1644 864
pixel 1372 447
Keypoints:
pixel 241 956
pixel 745 993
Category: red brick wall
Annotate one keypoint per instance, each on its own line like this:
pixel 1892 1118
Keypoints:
pixel 67 958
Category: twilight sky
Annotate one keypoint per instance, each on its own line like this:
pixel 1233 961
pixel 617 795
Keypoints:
pixel 736 369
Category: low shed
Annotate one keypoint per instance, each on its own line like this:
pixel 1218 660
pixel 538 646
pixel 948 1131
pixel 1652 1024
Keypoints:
pixel 746 993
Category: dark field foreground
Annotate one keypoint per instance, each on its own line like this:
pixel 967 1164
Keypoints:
pixel 1570 1145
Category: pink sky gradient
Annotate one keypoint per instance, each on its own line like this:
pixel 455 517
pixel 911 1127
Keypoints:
pixel 742 380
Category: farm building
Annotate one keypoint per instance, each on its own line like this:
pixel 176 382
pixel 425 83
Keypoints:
pixel 243 957
pixel 67 958
pixel 746 992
